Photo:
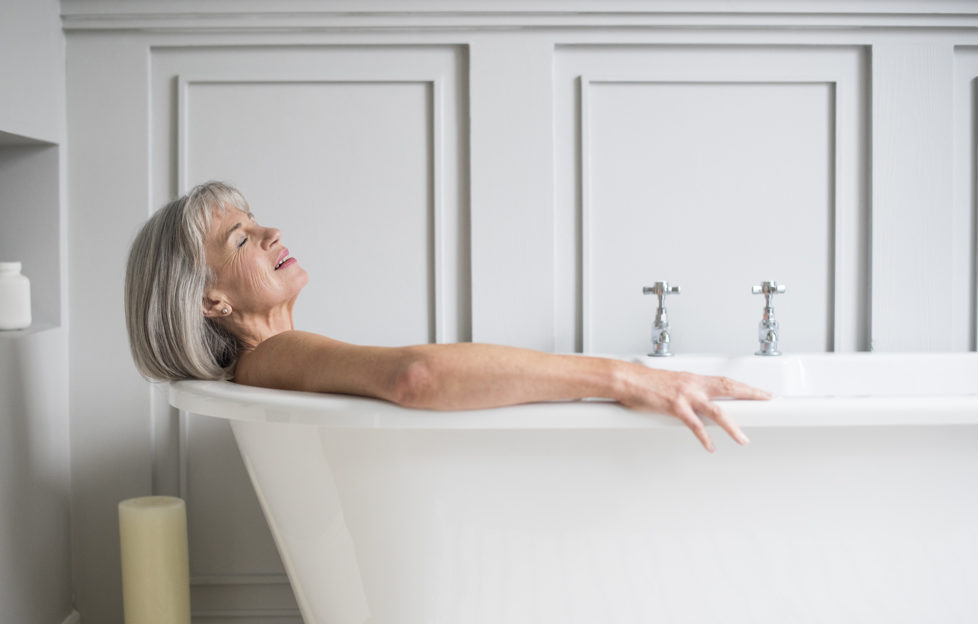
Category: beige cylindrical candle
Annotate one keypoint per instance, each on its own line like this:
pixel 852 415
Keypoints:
pixel 155 565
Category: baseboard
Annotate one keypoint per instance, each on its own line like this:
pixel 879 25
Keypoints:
pixel 73 618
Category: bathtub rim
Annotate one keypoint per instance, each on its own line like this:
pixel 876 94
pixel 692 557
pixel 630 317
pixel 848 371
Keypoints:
pixel 232 401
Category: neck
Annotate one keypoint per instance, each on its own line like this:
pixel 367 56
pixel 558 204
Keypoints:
pixel 253 328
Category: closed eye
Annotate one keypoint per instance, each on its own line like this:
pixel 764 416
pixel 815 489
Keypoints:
pixel 243 241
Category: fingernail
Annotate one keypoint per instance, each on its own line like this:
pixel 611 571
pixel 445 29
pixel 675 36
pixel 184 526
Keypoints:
pixel 744 440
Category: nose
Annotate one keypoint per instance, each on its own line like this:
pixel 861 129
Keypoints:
pixel 271 236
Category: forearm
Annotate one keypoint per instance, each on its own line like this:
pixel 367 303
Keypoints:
pixel 433 376
pixel 472 376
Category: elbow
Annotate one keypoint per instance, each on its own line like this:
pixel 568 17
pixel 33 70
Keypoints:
pixel 413 384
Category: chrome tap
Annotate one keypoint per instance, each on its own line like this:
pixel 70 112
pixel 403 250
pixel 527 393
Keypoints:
pixel 768 330
pixel 660 328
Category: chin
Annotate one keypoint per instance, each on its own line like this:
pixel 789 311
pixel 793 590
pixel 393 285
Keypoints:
pixel 301 280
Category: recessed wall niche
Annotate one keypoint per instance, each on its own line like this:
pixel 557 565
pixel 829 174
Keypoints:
pixel 30 224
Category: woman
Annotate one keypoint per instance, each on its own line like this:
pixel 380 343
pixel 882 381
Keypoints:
pixel 209 295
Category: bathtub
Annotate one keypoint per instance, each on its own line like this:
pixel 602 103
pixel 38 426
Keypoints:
pixel 857 500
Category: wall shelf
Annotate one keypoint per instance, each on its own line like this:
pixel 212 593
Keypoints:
pixel 9 139
pixel 35 328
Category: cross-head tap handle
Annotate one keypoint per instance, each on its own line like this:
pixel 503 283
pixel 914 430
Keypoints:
pixel 660 289
pixel 768 289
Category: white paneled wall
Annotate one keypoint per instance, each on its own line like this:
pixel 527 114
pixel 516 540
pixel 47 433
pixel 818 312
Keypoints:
pixel 515 173
pixel 354 152
pixel 35 550
pixel 711 167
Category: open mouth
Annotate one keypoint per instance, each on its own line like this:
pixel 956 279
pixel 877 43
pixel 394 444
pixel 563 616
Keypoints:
pixel 284 260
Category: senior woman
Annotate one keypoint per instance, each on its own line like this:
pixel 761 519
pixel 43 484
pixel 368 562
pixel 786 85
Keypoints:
pixel 209 295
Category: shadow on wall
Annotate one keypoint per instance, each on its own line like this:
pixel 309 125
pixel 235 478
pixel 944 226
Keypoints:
pixel 35 577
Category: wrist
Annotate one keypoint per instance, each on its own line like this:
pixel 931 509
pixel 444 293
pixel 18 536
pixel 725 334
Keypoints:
pixel 619 380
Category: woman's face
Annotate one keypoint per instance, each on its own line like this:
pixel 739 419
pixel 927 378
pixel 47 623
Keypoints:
pixel 254 272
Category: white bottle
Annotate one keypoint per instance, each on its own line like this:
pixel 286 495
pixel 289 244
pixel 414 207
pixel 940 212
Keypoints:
pixel 15 297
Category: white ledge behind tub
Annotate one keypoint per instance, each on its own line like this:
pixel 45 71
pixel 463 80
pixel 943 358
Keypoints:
pixel 817 390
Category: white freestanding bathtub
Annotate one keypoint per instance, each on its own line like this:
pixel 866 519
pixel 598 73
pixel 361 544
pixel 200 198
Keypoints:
pixel 857 501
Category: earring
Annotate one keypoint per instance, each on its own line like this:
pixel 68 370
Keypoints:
pixel 225 311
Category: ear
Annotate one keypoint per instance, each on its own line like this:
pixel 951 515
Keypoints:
pixel 213 305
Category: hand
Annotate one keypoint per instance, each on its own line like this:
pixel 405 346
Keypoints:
pixel 689 397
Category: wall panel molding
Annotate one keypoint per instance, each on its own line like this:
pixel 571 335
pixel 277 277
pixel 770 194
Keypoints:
pixel 444 324
pixel 843 276
pixel 965 132
pixel 840 71
pixel 440 70
pixel 173 15
pixel 916 283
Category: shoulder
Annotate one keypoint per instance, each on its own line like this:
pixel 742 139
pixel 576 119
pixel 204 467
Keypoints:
pixel 279 361
pixel 295 360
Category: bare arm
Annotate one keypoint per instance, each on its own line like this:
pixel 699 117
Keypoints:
pixel 472 376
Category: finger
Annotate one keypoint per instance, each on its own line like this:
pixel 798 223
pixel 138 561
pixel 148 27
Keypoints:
pixel 685 413
pixel 731 388
pixel 718 415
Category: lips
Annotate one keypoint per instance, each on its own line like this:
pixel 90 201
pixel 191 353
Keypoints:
pixel 283 259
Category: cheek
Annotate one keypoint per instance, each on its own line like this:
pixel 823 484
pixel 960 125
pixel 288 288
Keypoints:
pixel 259 281
pixel 248 281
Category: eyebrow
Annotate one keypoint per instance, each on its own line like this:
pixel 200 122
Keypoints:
pixel 231 230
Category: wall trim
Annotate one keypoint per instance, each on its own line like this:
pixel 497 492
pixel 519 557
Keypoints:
pixel 238 614
pixel 170 15
pixel 966 180
pixel 214 608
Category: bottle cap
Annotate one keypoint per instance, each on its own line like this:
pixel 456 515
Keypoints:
pixel 10 267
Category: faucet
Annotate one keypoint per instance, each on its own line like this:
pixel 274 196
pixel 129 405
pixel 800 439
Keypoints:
pixel 768 328
pixel 660 328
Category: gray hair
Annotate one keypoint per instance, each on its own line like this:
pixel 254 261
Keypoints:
pixel 166 276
